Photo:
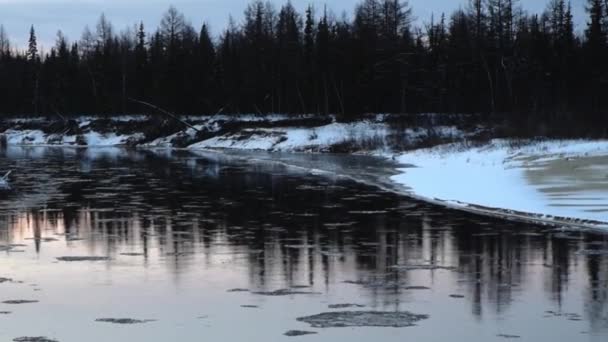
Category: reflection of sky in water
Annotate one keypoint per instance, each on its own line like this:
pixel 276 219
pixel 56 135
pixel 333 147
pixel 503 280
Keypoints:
pixel 194 228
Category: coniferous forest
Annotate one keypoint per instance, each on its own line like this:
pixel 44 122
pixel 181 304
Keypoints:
pixel 490 57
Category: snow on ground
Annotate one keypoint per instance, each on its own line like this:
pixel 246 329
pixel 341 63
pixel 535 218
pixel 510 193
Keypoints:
pixel 362 135
pixel 297 138
pixel 110 139
pixel 555 178
pixel 118 118
pixel 37 137
pixel 188 134
pixel 24 137
pixel 247 117
pixel 168 140
pixel 273 132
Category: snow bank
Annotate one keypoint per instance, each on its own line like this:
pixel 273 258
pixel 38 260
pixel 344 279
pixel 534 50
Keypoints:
pixel 247 117
pixel 362 135
pixel 297 138
pixel 24 137
pixel 549 179
pixel 111 139
pixel 189 134
pixel 273 132
pixel 38 138
pixel 117 118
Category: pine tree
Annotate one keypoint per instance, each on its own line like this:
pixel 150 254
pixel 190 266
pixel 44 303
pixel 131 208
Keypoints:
pixel 61 46
pixel 141 40
pixel 206 67
pixel 141 62
pixel 596 52
pixel 478 15
pixel 322 43
pixel 32 50
pixel 207 48
pixel 569 27
pixel 5 45
pixel 309 35
pixel 595 33
pixel 34 60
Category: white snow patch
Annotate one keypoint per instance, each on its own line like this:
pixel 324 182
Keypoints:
pixel 84 123
pixel 118 118
pixel 277 139
pixel 37 137
pixel 247 117
pixel 190 133
pixel 69 140
pixel 363 134
pixel 110 139
pixel 24 137
pixel 511 176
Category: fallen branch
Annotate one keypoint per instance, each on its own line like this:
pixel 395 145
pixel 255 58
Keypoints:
pixel 164 112
pixel 58 114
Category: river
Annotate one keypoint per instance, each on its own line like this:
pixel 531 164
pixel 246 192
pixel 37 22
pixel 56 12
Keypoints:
pixel 135 245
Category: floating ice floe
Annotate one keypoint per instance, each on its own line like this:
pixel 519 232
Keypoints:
pixel 124 320
pixel 363 319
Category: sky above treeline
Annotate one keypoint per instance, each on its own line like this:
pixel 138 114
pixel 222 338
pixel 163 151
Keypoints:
pixel 71 16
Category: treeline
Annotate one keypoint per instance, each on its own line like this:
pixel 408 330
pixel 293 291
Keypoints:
pixel 489 57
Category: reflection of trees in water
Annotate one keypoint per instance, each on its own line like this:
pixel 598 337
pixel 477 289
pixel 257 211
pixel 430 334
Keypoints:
pixel 597 291
pixel 494 262
pixel 264 224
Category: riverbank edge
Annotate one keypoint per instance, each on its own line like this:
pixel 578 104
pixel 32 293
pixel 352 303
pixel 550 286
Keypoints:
pixel 451 128
pixel 385 183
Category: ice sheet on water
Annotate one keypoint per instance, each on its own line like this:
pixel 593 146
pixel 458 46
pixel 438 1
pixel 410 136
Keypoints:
pixel 19 301
pixel 292 333
pixel 124 320
pixel 396 319
pixel 83 258
pixel 34 339
pixel 513 177
pixel 284 292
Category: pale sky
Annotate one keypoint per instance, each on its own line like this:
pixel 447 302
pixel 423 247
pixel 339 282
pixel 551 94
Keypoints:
pixel 48 16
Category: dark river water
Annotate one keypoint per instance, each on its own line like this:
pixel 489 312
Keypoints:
pixel 199 248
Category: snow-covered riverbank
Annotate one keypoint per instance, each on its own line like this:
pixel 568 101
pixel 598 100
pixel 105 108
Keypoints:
pixel 304 133
pixel 563 182
pixel 553 181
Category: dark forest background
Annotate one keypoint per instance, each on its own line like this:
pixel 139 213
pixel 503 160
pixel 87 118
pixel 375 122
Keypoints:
pixel 490 57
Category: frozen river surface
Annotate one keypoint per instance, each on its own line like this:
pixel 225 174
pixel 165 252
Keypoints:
pixel 112 245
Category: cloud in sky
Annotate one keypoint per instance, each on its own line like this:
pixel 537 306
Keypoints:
pixel 70 16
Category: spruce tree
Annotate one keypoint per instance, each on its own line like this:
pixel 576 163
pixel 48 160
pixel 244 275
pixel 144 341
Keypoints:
pixel 32 50
pixel 595 32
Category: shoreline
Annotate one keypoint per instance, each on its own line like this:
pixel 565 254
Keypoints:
pixel 383 182
pixel 287 141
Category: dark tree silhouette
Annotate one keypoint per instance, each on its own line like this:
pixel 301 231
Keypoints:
pixel 490 57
